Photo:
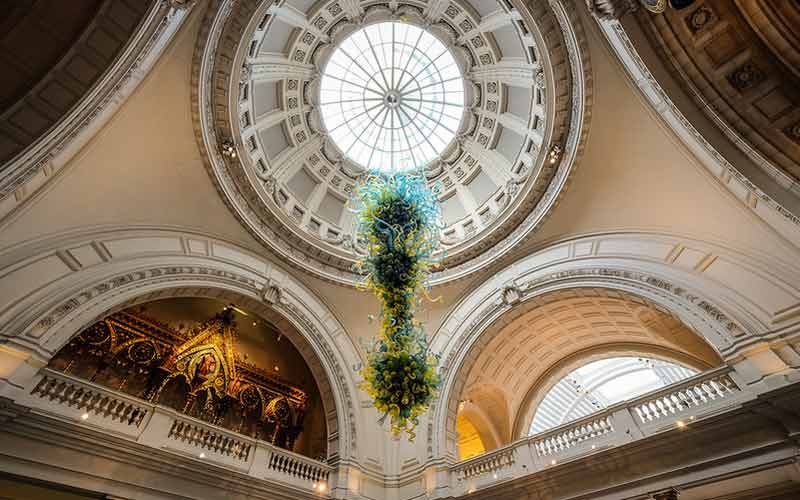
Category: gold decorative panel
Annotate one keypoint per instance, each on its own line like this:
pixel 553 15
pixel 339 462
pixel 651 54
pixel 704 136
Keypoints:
pixel 198 372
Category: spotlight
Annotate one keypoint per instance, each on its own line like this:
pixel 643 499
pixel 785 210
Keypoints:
pixel 85 416
pixel 228 149
pixel 681 424
pixel 202 455
pixel 554 154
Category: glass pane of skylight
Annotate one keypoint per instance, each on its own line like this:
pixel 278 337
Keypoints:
pixel 392 97
pixel 603 383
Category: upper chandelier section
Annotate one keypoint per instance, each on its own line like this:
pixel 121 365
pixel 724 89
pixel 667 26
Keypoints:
pixel 297 100
pixel 392 97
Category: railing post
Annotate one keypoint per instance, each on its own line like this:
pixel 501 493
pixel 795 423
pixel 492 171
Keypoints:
pixel 156 429
pixel 626 426
pixel 261 456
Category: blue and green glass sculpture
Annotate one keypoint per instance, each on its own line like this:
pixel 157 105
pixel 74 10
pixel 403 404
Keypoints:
pixel 399 222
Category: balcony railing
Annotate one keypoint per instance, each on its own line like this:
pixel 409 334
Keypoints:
pixel 164 428
pixel 675 406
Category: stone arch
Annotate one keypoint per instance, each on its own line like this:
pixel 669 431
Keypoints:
pixel 698 282
pixel 62 284
pixel 542 385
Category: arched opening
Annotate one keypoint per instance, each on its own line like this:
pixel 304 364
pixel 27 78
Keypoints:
pixel 470 443
pixel 531 348
pixel 599 384
pixel 223 364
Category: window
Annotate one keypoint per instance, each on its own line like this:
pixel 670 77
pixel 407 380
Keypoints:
pixel 600 384
pixel 392 97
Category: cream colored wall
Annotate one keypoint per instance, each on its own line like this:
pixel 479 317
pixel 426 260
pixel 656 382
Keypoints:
pixel 145 168
pixel 636 175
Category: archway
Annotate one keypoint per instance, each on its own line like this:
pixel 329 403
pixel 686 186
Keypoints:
pixel 80 278
pixel 651 267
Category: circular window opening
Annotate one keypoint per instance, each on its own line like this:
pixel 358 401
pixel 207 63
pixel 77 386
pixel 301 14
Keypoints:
pixel 392 97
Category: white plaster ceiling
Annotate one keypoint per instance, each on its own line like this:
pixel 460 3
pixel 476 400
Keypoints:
pixel 296 180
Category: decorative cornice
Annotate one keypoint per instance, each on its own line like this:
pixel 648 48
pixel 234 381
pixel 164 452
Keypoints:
pixel 739 185
pixel 568 96
pixel 28 172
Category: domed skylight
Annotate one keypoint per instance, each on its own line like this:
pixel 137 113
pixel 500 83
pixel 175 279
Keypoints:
pixel 600 384
pixel 392 97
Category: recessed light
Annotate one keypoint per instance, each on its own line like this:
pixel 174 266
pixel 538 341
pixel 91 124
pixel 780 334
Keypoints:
pixel 680 424
pixel 84 416
pixel 494 475
pixel 202 455
pixel 552 462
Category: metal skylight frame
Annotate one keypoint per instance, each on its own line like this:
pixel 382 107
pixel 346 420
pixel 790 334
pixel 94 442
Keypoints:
pixel 392 97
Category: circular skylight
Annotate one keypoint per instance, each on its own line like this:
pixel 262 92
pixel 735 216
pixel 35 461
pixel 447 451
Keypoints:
pixel 392 97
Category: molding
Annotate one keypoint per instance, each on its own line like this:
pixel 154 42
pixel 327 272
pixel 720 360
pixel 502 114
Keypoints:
pixel 216 78
pixel 712 301
pixel 27 175
pixel 753 197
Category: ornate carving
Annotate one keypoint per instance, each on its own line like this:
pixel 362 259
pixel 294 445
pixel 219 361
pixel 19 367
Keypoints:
pixel 197 371
pixel 746 76
pixel 701 19
pixel 793 132
pixel 511 295
pixel 538 79
pixel 271 294
pixel 611 9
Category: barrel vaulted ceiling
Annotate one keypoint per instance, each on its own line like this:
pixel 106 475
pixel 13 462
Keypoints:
pixel 541 341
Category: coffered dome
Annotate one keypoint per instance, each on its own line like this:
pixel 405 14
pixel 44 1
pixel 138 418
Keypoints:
pixel 298 99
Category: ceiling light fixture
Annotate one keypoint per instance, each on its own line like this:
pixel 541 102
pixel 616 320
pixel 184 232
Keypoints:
pixel 228 149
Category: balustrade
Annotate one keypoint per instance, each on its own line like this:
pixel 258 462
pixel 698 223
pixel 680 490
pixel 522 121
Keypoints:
pixel 562 438
pixel 206 438
pixel 170 431
pixel 692 393
pixel 89 399
pixel 484 464
pixel 704 394
pixel 297 466
pixel 166 429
